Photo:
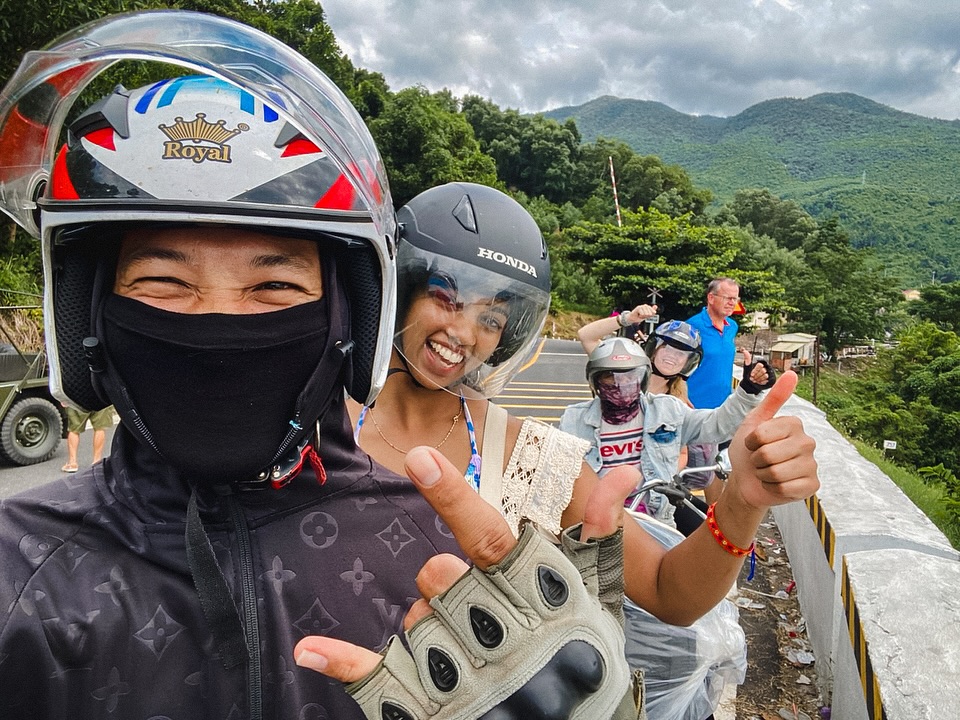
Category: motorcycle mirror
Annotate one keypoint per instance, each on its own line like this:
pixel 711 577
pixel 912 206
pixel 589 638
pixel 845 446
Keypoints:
pixel 723 461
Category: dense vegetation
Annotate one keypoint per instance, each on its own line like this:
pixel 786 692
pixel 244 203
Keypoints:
pixel 888 176
pixel 793 257
pixel 910 394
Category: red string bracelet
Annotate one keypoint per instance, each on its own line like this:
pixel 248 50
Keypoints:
pixel 721 538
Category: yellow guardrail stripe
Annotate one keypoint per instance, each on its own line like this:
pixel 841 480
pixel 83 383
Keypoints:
pixel 868 678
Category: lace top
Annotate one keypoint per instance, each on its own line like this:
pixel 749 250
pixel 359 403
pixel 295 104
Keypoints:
pixel 538 481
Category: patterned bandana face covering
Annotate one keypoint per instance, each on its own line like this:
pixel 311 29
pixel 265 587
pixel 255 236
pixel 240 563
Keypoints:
pixel 619 394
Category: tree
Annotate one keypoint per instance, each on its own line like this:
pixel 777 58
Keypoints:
pixel 533 154
pixel 918 348
pixel 939 304
pixel 771 269
pixel 301 24
pixel 424 142
pixel 653 249
pixel 843 294
pixel 643 182
pixel 31 25
pixel 783 220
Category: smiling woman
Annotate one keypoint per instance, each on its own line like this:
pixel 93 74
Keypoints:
pixel 473 293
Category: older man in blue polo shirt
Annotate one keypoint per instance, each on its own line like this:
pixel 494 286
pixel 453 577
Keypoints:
pixel 710 385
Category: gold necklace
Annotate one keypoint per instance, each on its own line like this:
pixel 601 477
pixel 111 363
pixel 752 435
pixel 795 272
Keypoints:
pixel 446 437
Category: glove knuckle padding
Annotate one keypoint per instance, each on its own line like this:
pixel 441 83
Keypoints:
pixel 750 386
pixel 526 637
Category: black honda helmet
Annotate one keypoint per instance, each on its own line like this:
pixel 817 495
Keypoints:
pixel 475 250
pixel 679 336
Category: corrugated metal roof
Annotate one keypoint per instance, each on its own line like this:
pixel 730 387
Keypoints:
pixel 784 346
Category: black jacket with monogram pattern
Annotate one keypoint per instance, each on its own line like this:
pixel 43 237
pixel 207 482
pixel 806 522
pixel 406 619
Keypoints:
pixel 99 615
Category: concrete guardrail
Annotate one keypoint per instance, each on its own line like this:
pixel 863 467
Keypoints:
pixel 879 587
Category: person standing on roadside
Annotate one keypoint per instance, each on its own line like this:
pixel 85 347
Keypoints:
pixel 100 421
pixel 713 381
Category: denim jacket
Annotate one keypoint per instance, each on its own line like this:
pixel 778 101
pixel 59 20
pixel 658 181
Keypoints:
pixel 668 426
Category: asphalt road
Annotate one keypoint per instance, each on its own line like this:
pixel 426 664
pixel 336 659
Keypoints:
pixel 542 390
pixel 554 381
pixel 15 479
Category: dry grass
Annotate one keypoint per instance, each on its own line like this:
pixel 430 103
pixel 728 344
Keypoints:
pixel 564 325
pixel 24 328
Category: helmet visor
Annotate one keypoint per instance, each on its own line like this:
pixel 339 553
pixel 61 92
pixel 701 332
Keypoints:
pixel 626 382
pixel 461 328
pixel 670 360
pixel 36 100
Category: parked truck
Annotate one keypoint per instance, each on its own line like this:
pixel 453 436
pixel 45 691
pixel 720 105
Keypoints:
pixel 32 421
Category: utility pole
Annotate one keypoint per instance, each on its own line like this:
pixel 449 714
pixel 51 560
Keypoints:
pixel 816 365
pixel 616 200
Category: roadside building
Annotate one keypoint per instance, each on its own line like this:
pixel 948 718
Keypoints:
pixel 793 350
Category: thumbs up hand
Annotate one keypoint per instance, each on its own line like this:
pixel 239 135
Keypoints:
pixel 772 457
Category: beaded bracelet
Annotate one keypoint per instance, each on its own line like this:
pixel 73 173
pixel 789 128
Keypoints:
pixel 721 538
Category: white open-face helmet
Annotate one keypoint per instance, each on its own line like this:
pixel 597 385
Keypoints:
pixel 252 134
pixel 617 355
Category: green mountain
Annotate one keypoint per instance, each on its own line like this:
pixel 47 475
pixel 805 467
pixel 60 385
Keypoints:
pixel 892 178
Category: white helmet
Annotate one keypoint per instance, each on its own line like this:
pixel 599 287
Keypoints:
pixel 618 355
pixel 255 136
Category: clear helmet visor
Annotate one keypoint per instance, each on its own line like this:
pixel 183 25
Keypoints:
pixel 268 81
pixel 36 101
pixel 670 360
pixel 461 328
pixel 622 383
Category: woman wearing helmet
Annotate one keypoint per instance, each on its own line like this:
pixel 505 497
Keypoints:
pixel 671 377
pixel 472 272
pixel 675 353
pixel 473 292
pixel 629 425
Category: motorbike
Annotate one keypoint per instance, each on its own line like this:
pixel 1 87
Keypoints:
pixel 685 668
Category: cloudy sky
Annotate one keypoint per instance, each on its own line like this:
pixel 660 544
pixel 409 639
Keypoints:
pixel 711 57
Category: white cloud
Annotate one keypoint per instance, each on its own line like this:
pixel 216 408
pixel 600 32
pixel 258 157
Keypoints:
pixel 698 56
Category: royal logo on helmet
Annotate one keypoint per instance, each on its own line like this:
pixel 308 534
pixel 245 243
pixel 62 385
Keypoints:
pixel 196 132
pixel 504 259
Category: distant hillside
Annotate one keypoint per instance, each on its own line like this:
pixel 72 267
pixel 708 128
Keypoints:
pixel 892 178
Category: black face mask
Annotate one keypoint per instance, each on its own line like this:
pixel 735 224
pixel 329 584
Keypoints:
pixel 216 393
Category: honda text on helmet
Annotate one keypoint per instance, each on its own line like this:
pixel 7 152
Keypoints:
pixel 674 349
pixel 473 288
pixel 277 151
